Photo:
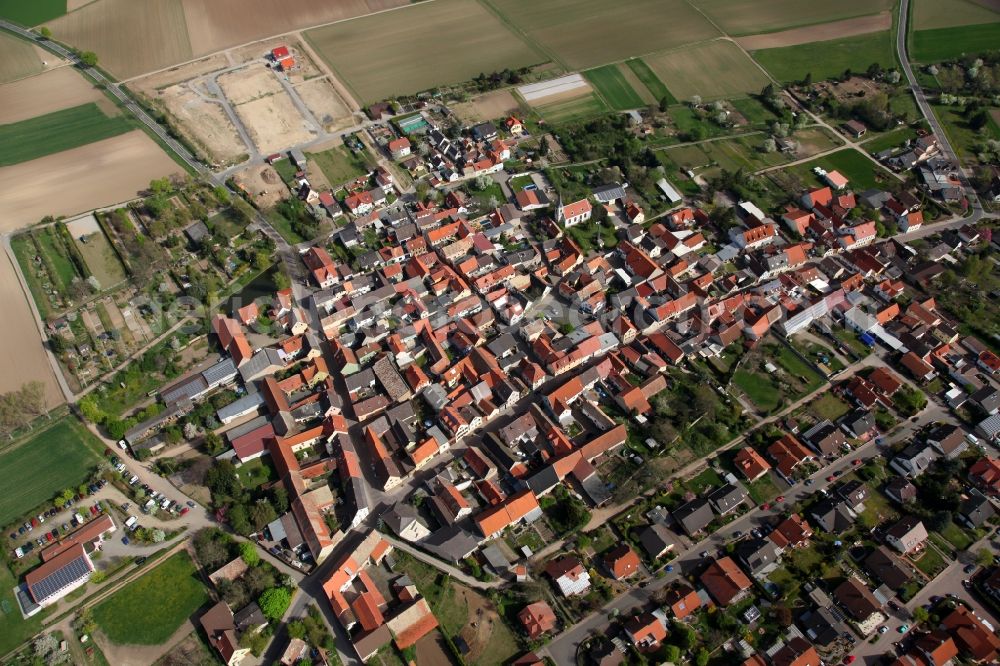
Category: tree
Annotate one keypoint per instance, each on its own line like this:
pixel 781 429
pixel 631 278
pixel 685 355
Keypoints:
pixel 769 145
pixel 984 557
pixel 920 614
pixel 274 602
pixel 88 58
pixel 702 657
pixel 45 32
pixel 158 536
pixel 239 520
pixel 808 80
pixel 213 443
pixel 249 554
pixel 543 146
pixel 483 181
pixel 696 100
pixel 767 91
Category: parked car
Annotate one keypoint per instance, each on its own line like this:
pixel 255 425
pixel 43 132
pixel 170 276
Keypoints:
pixel 903 628
pixel 125 540
pixel 883 629
pixel 969 568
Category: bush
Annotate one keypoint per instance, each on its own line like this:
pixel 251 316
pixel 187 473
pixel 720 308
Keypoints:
pixel 274 602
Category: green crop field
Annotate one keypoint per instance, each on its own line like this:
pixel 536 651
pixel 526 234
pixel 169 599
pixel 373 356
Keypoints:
pixel 150 609
pixel 49 461
pixel 390 54
pixel 613 87
pixel 750 17
pixel 930 14
pixel 650 80
pixel 713 70
pixel 56 132
pixel 31 12
pixel 581 108
pixel 18 59
pixel 828 59
pixel 946 43
pixel 588 33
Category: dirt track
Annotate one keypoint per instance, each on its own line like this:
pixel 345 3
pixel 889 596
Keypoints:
pixel 861 25
pixel 81 179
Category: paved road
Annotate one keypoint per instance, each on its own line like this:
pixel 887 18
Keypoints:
pixel 563 649
pixel 925 108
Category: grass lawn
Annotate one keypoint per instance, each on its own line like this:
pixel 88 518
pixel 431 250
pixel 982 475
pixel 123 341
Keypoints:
pixel 56 132
pixel 763 489
pixel 828 406
pixel 32 12
pixel 613 87
pixel 450 607
pixel 819 354
pixel 878 510
pixel 931 562
pixel 46 463
pixel 101 260
pixel 650 80
pixel 759 388
pixel 755 112
pixel 851 341
pixel 586 234
pixel 150 609
pixel 963 137
pixel 787 581
pixel 518 183
pixel 256 473
pixel 852 164
pixel 340 165
pixel 798 368
pixel 706 480
pixel 13 628
pixel 945 43
pixel 828 59
pixel 283 226
pixel 957 537
pixel 892 139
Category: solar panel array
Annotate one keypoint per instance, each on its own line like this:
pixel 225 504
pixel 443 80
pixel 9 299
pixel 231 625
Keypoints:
pixel 60 578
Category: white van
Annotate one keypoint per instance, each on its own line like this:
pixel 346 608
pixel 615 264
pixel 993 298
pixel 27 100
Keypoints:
pixel 132 520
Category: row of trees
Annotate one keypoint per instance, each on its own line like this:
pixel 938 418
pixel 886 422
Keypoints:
pixel 20 407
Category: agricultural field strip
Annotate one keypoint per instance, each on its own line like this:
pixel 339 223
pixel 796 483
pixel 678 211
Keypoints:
pixel 552 87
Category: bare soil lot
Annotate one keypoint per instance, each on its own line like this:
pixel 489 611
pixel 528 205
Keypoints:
pixel 326 105
pixel 88 177
pixel 54 90
pixel 204 123
pixel 130 38
pixel 496 104
pixel 264 185
pixel 21 353
pixel 274 123
pixel 148 85
pixel 422 46
pixel 750 17
pixel 847 28
pixel 246 85
pixel 218 24
pixel 17 58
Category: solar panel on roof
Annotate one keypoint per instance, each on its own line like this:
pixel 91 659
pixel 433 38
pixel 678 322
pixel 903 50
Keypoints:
pixel 60 578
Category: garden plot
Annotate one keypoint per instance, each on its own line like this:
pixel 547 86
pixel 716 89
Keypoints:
pixel 100 257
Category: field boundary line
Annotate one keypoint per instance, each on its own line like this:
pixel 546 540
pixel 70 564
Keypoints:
pixel 36 317
pixel 266 38
pixel 541 50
